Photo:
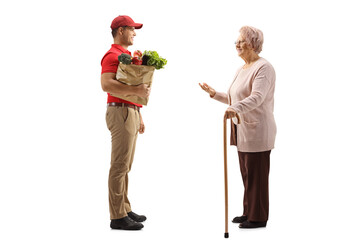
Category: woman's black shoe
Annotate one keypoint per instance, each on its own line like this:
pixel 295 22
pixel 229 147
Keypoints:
pixel 248 224
pixel 240 219
pixel 125 223
pixel 137 218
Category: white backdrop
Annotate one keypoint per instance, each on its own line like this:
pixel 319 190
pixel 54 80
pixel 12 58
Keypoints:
pixel 55 147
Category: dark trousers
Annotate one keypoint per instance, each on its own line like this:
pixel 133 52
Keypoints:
pixel 254 169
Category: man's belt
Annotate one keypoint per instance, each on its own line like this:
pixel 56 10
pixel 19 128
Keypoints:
pixel 115 104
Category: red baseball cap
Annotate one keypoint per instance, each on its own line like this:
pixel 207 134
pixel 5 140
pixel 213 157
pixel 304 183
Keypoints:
pixel 123 20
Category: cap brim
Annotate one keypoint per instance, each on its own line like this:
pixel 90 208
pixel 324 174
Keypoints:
pixel 136 25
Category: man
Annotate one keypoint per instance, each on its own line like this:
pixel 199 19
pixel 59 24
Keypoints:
pixel 124 121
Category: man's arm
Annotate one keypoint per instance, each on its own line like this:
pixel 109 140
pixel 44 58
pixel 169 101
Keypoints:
pixel 111 85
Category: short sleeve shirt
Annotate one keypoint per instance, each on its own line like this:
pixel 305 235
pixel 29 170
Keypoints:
pixel 110 63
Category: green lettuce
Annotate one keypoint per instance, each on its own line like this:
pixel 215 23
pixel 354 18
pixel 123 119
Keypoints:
pixel 152 58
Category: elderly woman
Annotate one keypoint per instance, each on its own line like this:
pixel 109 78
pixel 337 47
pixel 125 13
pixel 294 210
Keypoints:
pixel 251 96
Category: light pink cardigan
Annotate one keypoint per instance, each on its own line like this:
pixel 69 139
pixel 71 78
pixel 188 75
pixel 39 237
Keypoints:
pixel 251 95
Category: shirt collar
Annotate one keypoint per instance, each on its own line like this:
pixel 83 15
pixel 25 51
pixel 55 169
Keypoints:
pixel 119 47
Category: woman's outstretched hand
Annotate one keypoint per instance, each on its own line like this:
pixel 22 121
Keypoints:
pixel 208 89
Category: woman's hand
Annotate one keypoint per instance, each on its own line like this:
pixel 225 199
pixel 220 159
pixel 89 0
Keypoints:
pixel 229 113
pixel 208 89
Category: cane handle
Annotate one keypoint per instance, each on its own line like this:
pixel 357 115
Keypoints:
pixel 238 118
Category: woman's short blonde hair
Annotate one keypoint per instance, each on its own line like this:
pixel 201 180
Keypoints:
pixel 253 36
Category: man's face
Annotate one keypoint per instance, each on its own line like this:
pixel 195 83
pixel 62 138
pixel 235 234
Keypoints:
pixel 127 35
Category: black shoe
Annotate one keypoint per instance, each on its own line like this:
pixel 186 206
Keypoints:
pixel 239 219
pixel 248 224
pixel 135 217
pixel 125 223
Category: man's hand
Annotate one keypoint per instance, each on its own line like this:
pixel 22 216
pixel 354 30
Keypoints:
pixel 142 125
pixel 142 90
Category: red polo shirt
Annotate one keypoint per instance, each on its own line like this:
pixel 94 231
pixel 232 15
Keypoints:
pixel 110 63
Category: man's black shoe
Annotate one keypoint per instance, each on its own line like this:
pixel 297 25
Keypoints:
pixel 135 217
pixel 248 224
pixel 240 219
pixel 125 223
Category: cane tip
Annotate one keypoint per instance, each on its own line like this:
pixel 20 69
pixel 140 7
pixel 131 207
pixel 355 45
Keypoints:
pixel 226 235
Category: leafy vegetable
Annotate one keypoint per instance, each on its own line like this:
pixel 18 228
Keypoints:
pixel 145 58
pixel 124 58
pixel 152 58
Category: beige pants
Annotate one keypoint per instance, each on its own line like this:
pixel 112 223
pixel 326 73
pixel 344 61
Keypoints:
pixel 123 124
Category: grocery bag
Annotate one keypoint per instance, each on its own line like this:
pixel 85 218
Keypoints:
pixel 134 75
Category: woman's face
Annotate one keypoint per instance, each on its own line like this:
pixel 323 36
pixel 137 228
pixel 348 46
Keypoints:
pixel 242 47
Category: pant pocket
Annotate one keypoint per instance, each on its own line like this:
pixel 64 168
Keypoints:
pixel 125 113
pixel 131 123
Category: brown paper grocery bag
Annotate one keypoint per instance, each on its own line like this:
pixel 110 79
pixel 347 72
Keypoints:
pixel 134 75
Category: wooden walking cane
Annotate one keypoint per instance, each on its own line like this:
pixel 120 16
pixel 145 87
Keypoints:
pixel 226 235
